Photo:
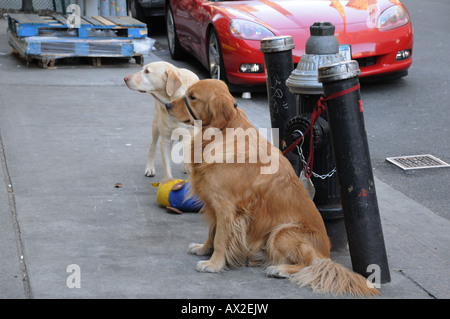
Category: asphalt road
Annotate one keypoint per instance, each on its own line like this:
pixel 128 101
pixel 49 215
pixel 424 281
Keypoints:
pixel 403 117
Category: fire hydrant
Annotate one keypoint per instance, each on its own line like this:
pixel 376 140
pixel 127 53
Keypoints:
pixel 329 125
pixel 322 48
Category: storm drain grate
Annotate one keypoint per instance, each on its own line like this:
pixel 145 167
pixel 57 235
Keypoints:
pixel 417 162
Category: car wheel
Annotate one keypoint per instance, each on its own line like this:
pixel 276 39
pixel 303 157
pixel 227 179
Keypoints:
pixel 215 59
pixel 136 10
pixel 175 49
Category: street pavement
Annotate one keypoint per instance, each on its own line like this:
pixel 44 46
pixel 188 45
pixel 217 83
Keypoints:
pixel 69 135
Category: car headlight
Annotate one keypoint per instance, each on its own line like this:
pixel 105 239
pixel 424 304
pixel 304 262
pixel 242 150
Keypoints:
pixel 249 30
pixel 392 18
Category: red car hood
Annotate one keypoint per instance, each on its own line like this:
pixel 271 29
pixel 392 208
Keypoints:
pixel 286 15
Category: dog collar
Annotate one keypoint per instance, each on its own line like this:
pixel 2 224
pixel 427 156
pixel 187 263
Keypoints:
pixel 192 112
pixel 189 108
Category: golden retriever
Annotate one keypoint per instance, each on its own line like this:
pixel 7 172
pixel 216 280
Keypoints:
pixel 256 217
pixel 165 83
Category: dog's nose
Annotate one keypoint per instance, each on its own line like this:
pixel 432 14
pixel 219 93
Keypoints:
pixel 168 106
pixel 126 79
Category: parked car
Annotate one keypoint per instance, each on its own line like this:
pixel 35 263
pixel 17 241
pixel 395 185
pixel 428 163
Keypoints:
pixel 141 9
pixel 225 35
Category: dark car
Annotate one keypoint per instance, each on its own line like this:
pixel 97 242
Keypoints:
pixel 141 9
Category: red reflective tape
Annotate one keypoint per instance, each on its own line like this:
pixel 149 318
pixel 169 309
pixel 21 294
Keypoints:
pixel 339 94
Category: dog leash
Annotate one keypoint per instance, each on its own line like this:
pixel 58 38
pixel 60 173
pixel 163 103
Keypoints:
pixel 318 110
pixel 157 98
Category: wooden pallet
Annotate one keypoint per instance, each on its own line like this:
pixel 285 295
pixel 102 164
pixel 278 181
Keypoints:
pixel 28 25
pixel 48 38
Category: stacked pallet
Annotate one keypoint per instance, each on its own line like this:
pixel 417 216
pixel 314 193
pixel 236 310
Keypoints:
pixel 48 38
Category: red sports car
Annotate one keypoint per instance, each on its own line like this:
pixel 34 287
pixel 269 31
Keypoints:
pixel 225 35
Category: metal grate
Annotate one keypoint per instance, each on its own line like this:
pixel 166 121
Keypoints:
pixel 417 162
pixel 371 60
pixel 53 5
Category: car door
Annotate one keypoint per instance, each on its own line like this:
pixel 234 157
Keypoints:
pixel 190 19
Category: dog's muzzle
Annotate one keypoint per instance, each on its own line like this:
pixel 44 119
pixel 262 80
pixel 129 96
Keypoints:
pixel 186 102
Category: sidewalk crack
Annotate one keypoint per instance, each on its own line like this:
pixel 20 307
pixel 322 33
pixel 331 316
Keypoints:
pixel 417 284
pixel 12 205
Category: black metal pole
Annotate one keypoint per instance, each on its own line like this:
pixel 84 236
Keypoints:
pixel 351 152
pixel 282 103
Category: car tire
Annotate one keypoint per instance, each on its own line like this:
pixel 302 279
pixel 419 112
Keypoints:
pixel 215 58
pixel 176 52
pixel 136 10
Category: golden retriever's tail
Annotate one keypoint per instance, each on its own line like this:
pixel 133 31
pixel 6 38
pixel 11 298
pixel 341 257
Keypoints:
pixel 324 275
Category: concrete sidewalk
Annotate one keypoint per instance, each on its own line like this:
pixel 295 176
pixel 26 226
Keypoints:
pixel 69 135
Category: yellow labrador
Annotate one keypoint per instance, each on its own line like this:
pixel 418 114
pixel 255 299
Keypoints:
pixel 165 83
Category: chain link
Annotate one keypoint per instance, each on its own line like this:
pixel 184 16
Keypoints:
pixel 53 5
pixel 302 158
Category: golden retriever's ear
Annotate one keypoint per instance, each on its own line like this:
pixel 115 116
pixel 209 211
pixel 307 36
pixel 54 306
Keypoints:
pixel 221 107
pixel 173 82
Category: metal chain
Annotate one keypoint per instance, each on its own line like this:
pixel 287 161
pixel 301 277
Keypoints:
pixel 302 158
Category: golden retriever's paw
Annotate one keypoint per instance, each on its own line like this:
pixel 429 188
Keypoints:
pixel 199 249
pixel 208 266
pixel 277 272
